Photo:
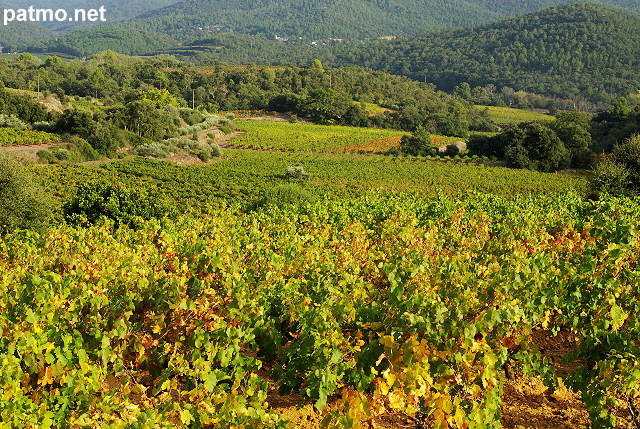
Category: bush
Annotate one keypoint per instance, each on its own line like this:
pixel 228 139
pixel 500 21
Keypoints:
pixel 452 150
pixel 215 150
pixel 12 121
pixel 203 152
pixel 61 153
pixel 47 156
pixel 622 174
pixel 156 150
pixel 83 147
pixel 226 129
pixel 191 116
pixel 418 144
pixel 610 177
pixel 43 126
pixel 23 204
pixel 296 173
pixel 124 206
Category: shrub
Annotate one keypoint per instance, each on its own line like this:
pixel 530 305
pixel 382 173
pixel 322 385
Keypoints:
pixel 61 153
pixel 191 116
pixel 180 142
pixel 611 177
pixel 215 150
pixel 43 126
pixel 296 173
pixel 622 174
pixel 203 152
pixel 155 149
pixel 418 144
pixel 230 116
pixel 452 150
pixel 47 156
pixel 83 147
pixel 12 121
pixel 23 204
pixel 124 206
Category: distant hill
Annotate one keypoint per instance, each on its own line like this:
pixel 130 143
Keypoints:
pixel 581 49
pixel 190 20
pixel 116 9
pixel 16 35
pixel 348 19
pixel 123 40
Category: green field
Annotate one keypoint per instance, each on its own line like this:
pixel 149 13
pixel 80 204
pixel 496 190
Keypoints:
pixel 382 285
pixel 12 137
pixel 507 116
pixel 326 138
pixel 383 303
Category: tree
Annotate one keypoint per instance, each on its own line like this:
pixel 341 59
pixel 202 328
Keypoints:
pixel 325 104
pixel 418 144
pixel 628 155
pixel 23 204
pixel 572 127
pixel 534 146
pixel 160 98
pixel 577 140
pixel 463 90
pixel 621 107
pixel 610 177
pixel 145 120
pixel 357 116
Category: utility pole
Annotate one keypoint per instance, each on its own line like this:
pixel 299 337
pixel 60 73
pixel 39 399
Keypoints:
pixel 193 98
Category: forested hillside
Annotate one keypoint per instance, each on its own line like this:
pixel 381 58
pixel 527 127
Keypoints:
pixel 332 18
pixel 582 53
pixel 116 9
pixel 124 40
pixel 16 34
pixel 292 21
pixel 578 50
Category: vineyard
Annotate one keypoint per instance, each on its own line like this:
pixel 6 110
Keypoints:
pixel 508 116
pixel 381 290
pixel 247 175
pixel 386 304
pixel 326 138
pixel 13 136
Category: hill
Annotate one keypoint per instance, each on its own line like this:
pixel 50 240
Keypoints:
pixel 17 34
pixel 580 50
pixel 314 19
pixel 116 9
pixel 308 20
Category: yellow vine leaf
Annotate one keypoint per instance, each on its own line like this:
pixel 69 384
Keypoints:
pixel 47 378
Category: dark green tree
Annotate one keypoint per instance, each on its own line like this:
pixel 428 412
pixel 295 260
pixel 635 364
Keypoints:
pixel 23 204
pixel 572 127
pixel 418 144
pixel 534 146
